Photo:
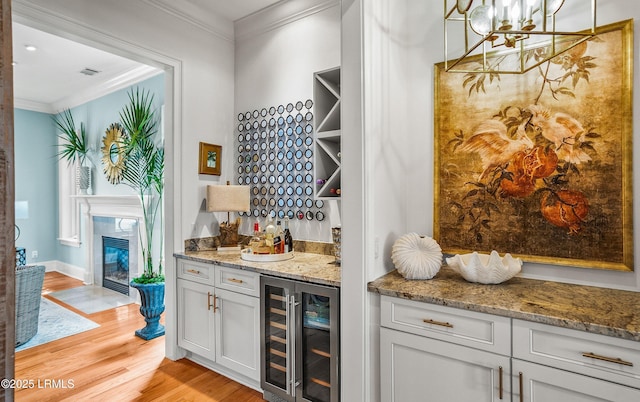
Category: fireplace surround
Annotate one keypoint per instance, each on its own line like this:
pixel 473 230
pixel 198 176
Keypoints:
pixel 117 217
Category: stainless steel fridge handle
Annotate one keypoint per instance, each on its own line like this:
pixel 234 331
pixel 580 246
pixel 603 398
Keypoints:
pixel 291 326
pixel 288 345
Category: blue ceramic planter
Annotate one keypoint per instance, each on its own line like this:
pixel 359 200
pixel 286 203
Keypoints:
pixel 152 298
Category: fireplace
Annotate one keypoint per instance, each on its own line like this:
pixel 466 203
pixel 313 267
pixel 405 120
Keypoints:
pixel 117 217
pixel 115 264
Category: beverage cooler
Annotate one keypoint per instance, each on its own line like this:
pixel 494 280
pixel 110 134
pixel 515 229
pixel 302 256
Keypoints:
pixel 300 341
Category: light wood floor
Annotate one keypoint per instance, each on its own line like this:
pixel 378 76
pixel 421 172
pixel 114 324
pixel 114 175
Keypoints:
pixel 110 363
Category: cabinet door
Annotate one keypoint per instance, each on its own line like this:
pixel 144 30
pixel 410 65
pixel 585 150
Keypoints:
pixel 237 322
pixel 543 384
pixel 416 368
pixel 195 318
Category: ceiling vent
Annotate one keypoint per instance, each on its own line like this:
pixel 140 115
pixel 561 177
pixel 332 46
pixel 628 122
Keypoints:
pixel 89 71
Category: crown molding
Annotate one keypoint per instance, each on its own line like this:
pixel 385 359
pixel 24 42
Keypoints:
pixel 122 81
pixel 26 104
pixel 213 23
pixel 279 15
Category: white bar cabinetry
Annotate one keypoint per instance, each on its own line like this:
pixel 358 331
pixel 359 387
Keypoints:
pixel 432 352
pixel 219 319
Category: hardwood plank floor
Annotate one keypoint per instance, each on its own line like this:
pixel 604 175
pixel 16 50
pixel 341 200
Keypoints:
pixel 110 363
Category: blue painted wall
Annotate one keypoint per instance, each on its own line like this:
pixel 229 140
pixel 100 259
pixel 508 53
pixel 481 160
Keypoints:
pixel 37 173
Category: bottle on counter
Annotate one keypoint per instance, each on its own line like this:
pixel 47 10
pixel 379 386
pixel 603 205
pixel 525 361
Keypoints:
pixel 256 240
pixel 287 238
pixel 270 231
pixel 278 244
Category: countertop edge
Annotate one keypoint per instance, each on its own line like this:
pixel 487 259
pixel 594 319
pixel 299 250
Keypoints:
pixel 562 322
pixel 254 267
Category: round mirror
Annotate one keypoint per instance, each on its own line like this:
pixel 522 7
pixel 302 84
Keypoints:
pixel 113 153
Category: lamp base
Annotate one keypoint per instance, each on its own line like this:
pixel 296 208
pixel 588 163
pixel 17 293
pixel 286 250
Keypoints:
pixel 229 236
pixel 223 249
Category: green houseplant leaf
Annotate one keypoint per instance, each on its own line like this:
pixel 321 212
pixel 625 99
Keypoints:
pixel 144 172
pixel 74 145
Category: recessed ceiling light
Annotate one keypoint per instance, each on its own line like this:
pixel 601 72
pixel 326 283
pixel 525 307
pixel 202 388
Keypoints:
pixel 30 48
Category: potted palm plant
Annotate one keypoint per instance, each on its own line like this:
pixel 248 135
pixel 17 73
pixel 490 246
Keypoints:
pixel 74 148
pixel 144 173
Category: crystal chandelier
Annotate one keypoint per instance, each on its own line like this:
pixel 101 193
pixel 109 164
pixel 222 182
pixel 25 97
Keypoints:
pixel 512 36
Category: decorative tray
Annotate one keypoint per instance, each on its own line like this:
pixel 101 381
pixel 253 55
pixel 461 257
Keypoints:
pixel 247 255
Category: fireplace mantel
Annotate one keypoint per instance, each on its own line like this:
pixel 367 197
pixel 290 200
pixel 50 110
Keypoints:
pixel 109 206
pixel 122 206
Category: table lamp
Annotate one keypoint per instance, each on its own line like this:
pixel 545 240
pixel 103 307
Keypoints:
pixel 228 199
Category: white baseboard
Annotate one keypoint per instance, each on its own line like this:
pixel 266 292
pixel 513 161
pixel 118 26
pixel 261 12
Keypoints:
pixel 68 269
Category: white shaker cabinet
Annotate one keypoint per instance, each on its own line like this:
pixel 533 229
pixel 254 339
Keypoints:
pixel 195 319
pixel 433 353
pixel 559 364
pixel 538 383
pixel 417 368
pixel 219 318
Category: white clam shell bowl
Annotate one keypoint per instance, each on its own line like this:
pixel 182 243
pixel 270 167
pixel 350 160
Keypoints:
pixel 416 257
pixel 487 269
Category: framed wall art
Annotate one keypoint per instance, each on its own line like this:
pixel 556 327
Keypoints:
pixel 210 159
pixel 540 164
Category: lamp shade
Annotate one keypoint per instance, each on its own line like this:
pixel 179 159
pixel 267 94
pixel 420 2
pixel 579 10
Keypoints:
pixel 228 198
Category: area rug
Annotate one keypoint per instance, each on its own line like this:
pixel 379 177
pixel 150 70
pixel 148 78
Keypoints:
pixel 56 322
pixel 91 299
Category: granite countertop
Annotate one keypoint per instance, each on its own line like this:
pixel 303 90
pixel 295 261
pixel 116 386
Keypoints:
pixel 598 310
pixel 308 267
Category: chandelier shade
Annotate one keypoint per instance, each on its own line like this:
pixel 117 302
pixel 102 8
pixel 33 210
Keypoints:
pixel 512 36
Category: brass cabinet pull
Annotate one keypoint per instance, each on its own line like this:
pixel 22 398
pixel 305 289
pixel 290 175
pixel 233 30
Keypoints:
pixel 521 387
pixel 215 303
pixel 607 359
pixel 500 381
pixel 193 271
pixel 440 323
pixel 234 280
pixel 209 305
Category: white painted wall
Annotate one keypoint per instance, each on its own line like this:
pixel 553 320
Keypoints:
pixel 276 53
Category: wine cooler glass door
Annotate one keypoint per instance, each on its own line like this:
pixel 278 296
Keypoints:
pixel 318 346
pixel 278 363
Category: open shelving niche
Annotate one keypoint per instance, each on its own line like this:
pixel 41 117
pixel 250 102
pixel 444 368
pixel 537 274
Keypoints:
pixel 327 164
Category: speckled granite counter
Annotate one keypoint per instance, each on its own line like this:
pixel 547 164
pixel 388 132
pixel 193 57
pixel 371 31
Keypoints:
pixel 604 311
pixel 307 267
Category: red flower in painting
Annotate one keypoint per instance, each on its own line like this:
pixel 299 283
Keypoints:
pixel 565 208
pixel 525 168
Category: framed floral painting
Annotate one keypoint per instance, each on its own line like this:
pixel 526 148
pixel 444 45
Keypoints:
pixel 540 164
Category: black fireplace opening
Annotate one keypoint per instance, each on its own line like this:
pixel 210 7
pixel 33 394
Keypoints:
pixel 115 264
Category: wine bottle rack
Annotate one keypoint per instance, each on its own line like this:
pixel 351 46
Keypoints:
pixel 327 165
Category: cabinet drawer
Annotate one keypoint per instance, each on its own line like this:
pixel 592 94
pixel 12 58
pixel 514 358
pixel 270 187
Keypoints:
pixel 238 280
pixel 468 328
pixel 196 271
pixel 613 359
